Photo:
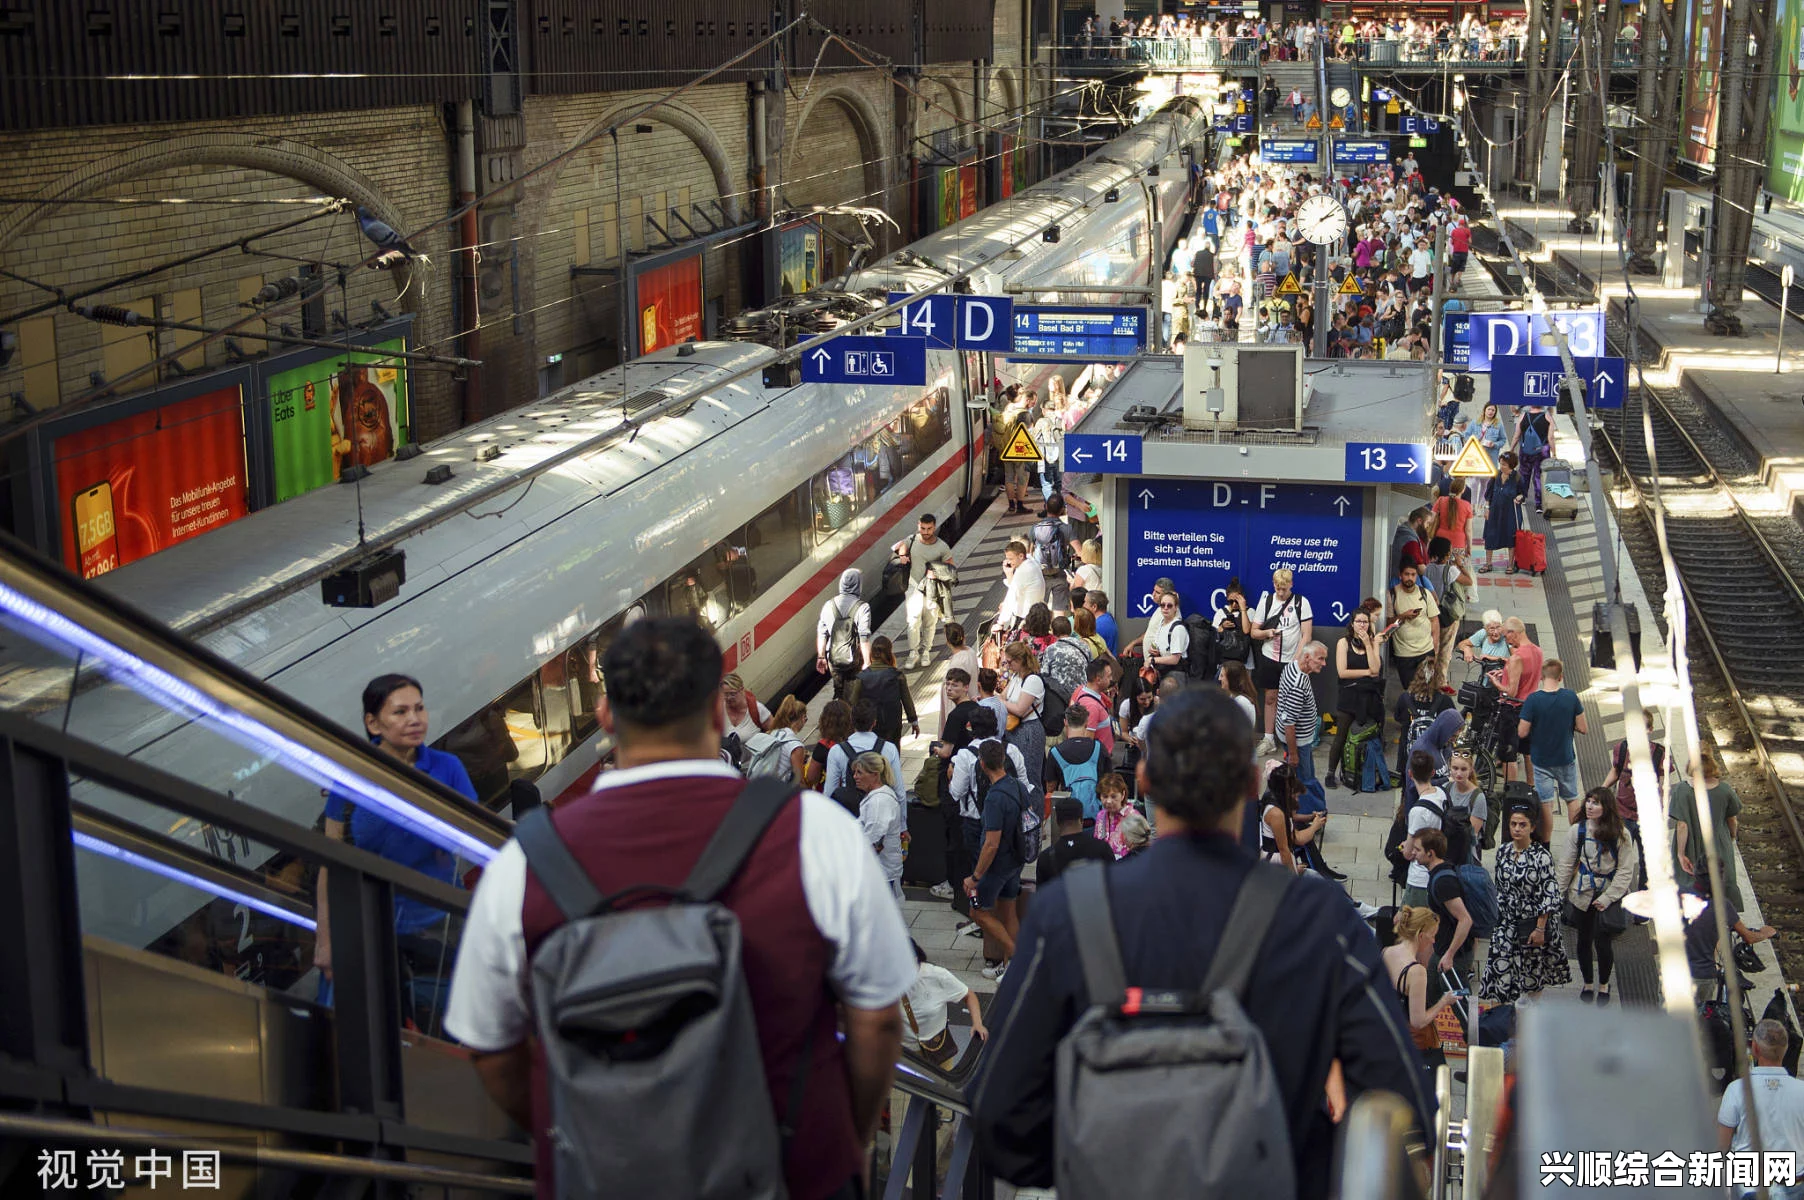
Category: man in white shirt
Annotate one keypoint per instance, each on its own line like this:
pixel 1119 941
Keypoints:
pixel 823 940
pixel 1780 1098
pixel 1026 586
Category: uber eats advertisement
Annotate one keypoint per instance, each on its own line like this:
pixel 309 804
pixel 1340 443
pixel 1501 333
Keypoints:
pixel 1785 150
pixel 324 418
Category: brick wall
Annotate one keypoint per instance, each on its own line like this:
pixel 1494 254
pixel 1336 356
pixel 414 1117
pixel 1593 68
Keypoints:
pixel 396 161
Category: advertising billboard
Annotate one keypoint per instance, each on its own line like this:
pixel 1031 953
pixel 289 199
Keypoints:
pixel 132 487
pixel 1697 141
pixel 798 258
pixel 948 214
pixel 319 425
pixel 1008 165
pixel 967 190
pixel 670 304
pixel 1785 133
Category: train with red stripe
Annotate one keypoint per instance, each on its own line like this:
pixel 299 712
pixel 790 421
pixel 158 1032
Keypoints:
pixel 700 478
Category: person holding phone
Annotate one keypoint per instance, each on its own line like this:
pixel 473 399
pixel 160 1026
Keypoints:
pixel 1417 620
pixel 1359 665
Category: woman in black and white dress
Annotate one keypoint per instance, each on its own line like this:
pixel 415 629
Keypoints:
pixel 1526 953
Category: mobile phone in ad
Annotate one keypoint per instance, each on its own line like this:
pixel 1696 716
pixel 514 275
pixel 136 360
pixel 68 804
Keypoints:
pixel 96 535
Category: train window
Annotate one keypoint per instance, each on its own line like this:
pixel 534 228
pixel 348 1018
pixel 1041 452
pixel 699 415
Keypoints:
pixel 699 589
pixel 923 428
pixel 772 543
pixel 488 748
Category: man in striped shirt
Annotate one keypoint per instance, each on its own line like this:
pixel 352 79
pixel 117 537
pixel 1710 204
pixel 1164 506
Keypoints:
pixel 1298 719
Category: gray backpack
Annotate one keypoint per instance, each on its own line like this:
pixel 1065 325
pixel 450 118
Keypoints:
pixel 1190 1062
pixel 650 1046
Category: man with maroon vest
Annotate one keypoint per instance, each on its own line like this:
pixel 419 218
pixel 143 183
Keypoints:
pixel 824 941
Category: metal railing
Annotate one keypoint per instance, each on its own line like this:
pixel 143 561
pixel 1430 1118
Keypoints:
pixel 1464 54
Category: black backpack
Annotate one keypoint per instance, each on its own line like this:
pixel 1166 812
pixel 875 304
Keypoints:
pixel 1393 842
pixel 1052 708
pixel 1203 658
pixel 1464 388
pixel 882 686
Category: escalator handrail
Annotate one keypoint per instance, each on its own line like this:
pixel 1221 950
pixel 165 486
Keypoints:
pixel 39 593
pixel 1373 1156
pixel 158 787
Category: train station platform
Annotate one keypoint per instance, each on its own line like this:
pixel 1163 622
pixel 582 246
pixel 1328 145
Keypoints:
pixel 1556 607
pixel 1751 383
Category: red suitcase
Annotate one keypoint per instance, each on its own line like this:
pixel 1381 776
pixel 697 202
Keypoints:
pixel 1531 551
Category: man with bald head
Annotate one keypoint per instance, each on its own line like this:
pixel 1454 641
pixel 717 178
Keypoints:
pixel 1519 678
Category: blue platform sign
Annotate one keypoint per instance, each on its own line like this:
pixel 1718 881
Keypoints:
pixel 950 322
pixel 1470 340
pixel 1348 151
pixel 1288 150
pixel 1535 379
pixel 1202 533
pixel 1074 331
pixel 856 358
pixel 1103 453
pixel 1388 462
pixel 1420 126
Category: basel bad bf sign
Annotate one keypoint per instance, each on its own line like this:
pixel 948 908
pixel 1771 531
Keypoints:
pixel 1200 534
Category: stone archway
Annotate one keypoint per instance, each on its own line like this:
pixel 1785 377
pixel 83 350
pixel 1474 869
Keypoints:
pixel 865 124
pixel 692 125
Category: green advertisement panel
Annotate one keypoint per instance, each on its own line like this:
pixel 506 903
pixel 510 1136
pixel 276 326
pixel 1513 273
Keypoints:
pixel 1785 136
pixel 325 417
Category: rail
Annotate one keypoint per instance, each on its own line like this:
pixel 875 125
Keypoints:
pixel 1456 53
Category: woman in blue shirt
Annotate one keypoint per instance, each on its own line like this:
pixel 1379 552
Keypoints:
pixel 394 715
pixel 1493 437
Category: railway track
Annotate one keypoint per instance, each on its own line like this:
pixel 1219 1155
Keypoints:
pixel 1740 570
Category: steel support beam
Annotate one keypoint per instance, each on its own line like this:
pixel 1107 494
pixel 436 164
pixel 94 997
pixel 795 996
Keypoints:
pixel 1746 88
pixel 1542 56
pixel 1589 89
pixel 1657 119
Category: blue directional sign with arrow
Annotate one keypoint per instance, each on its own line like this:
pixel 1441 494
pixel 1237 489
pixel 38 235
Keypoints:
pixel 1535 379
pixel 1387 462
pixel 1202 533
pixel 856 358
pixel 1102 453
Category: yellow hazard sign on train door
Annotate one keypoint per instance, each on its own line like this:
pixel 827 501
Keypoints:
pixel 1020 446
pixel 1473 462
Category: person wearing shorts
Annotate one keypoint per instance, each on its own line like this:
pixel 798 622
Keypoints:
pixel 1280 623
pixel 1549 719
pixel 995 880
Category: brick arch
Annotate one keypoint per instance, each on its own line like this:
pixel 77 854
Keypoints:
pixel 686 121
pixel 1006 92
pixel 866 124
pixel 952 100
pixel 278 156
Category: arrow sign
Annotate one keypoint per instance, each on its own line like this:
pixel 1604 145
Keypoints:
pixel 1386 462
pixel 1146 497
pixel 1146 604
pixel 1340 611
pixel 1103 453
pixel 858 358
pixel 1340 505
pixel 1539 379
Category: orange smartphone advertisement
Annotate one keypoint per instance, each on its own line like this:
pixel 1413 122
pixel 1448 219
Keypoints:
pixel 134 486
pixel 670 304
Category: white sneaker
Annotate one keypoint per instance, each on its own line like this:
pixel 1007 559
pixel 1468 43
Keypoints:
pixel 941 891
pixel 1366 911
pixel 969 929
pixel 996 972
pixel 914 662
pixel 1267 745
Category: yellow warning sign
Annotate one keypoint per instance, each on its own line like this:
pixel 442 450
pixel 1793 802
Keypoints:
pixel 1289 286
pixel 1314 121
pixel 1335 122
pixel 1350 287
pixel 1393 108
pixel 1021 448
pixel 1473 462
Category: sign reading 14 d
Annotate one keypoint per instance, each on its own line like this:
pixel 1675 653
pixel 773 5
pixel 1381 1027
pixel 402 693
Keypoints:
pixel 951 322
pixel 1201 534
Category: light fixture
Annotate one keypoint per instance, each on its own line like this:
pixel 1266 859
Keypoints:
pixel 1152 172
pixel 1111 196
pixel 1050 234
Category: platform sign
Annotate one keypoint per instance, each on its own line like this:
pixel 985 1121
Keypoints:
pixel 1535 379
pixel 950 322
pixel 1241 123
pixel 1420 126
pixel 1351 151
pixel 1289 150
pixel 1387 462
pixel 1082 332
pixel 1470 340
pixel 857 358
pixel 1202 533
pixel 1103 453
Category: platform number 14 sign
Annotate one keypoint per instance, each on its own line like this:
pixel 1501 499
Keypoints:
pixel 1102 454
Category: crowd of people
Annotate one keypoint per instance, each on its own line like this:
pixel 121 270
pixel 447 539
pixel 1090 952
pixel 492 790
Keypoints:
pixel 1242 271
pixel 1176 39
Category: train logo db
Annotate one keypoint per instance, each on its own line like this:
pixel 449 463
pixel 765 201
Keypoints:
pixel 1020 447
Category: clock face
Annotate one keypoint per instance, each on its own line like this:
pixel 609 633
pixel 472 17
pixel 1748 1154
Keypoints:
pixel 1340 96
pixel 1323 219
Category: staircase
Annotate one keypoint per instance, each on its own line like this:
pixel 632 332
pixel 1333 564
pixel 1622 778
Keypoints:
pixel 1346 75
pixel 1288 75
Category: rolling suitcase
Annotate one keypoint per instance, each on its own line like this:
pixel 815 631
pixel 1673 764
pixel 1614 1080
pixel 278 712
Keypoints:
pixel 1531 552
pixel 1558 497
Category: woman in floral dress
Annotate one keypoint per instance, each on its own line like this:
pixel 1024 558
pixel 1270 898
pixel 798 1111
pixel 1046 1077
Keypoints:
pixel 1527 952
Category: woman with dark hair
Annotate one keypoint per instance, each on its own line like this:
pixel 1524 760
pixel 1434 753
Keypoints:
pixel 1036 629
pixel 1597 867
pixel 835 727
pixel 883 684
pixel 1359 665
pixel 924 1023
pixel 1526 952
pixel 1277 808
pixel 394 718
pixel 1024 699
pixel 1504 516
pixel 1237 681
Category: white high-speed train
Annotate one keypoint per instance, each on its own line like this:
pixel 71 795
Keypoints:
pixel 743 504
